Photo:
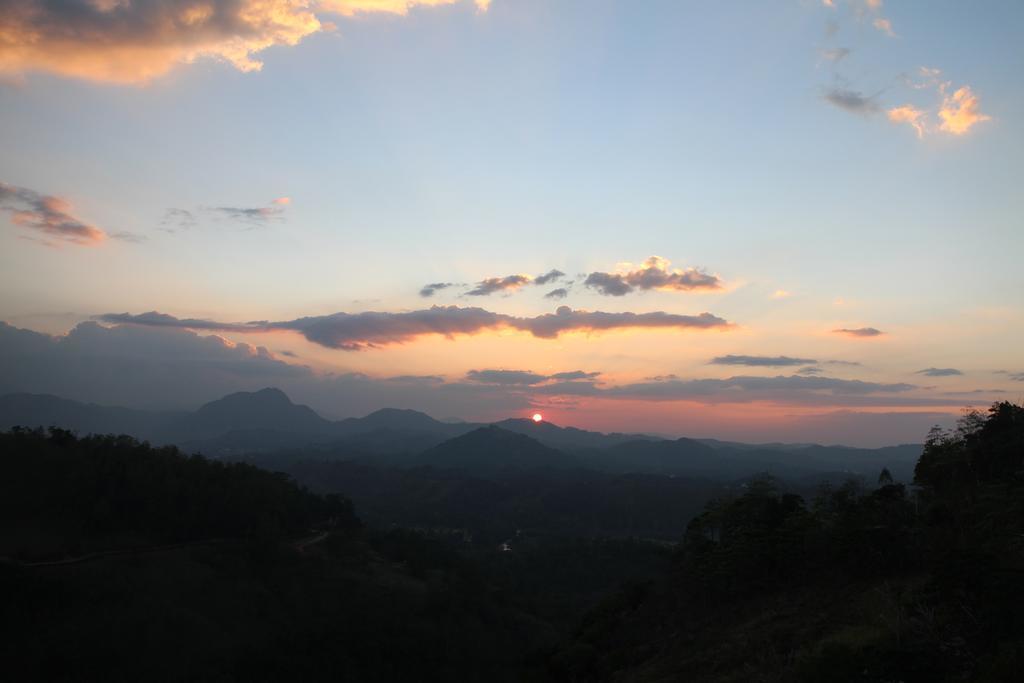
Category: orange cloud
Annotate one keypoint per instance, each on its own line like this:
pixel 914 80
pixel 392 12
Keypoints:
pixel 908 114
pixel 400 7
pixel 655 273
pixel 119 41
pixel 48 215
pixel 135 42
pixel 885 26
pixel 957 113
pixel 960 112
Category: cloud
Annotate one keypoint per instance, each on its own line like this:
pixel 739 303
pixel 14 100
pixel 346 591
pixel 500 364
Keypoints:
pixel 852 101
pixel 957 113
pixel 810 370
pixel 781 389
pixel 48 216
pixel 372 329
pixel 574 375
pixel 254 216
pixel 1014 376
pixel 134 365
pixel 548 277
pixel 415 379
pixel 559 293
pixel 155 319
pixel 506 377
pixel 761 361
pixel 177 219
pixel 850 363
pixel 781 294
pixel 512 283
pixel 974 392
pixel 527 378
pixel 939 372
pixel 165 368
pixel 130 237
pixel 655 273
pixel 134 42
pixel 499 284
pixel 909 114
pixel 434 287
pixel 884 25
pixel 608 284
pixel 960 112
pixel 929 78
pixel 565 319
pixel 835 54
pixel 149 367
pixel 494 285
pixel 680 388
pixel 859 332
pixel 572 382
pixel 400 7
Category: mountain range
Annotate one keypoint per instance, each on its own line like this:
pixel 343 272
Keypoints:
pixel 268 422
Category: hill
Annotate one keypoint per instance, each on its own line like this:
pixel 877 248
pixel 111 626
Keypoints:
pixel 267 421
pixel 44 410
pixel 493 448
pixel 126 562
pixel 568 438
pixel 266 410
pixel 857 585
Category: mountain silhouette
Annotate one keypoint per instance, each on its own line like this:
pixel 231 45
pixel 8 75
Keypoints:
pixel 490 448
pixel 399 418
pixel 264 410
pixel 267 421
pixel 45 410
pixel 568 438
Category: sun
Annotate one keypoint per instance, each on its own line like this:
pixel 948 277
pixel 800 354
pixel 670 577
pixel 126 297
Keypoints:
pixel 537 417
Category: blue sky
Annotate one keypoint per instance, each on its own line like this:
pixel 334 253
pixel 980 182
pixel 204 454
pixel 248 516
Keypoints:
pixel 455 143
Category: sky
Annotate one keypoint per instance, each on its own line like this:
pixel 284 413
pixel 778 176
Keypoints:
pixel 797 220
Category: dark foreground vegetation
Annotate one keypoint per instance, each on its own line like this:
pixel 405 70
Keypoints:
pixel 127 562
pixel 883 585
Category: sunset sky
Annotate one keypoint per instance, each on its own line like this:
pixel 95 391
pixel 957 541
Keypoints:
pixel 794 220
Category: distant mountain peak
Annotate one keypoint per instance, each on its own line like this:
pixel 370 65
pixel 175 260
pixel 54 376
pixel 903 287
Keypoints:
pixel 268 408
pixel 269 397
pixel 387 412
pixel 399 418
pixel 491 447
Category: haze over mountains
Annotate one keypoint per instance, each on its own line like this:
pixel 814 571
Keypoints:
pixel 267 421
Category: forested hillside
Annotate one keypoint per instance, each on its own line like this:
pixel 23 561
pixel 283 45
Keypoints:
pixel 856 585
pixel 128 562
pixel 124 562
